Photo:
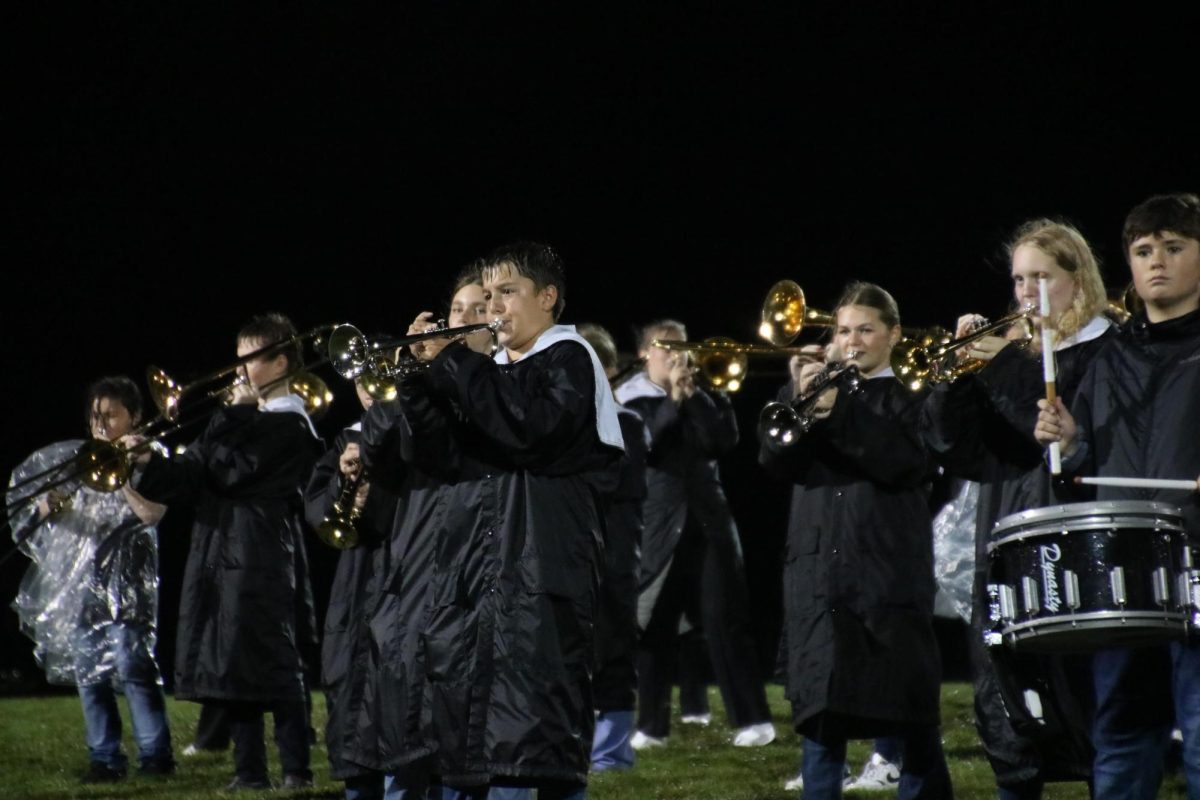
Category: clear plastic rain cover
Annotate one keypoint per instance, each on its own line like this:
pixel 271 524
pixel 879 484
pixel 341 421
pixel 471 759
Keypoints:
pixel 954 552
pixel 93 580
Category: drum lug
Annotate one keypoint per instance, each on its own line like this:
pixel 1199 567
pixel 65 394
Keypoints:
pixel 1162 586
pixel 1116 578
pixel 1071 589
pixel 1029 589
pixel 1008 603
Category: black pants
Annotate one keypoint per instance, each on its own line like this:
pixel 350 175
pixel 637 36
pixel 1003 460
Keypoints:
pixel 706 581
pixel 291 737
pixel 212 729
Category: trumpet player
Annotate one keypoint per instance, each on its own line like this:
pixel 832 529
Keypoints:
pixel 357 584
pixel 89 599
pixel 379 731
pixel 246 613
pixel 691 553
pixel 862 660
pixel 515 441
pixel 981 428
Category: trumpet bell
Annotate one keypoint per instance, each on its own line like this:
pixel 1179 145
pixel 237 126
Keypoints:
pixel 779 423
pixel 348 350
pixel 785 313
pixel 104 466
pixel 377 383
pixel 337 531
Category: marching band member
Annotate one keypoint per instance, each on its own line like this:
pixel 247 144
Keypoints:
pixel 858 581
pixel 384 729
pixel 691 553
pixel 508 638
pixel 615 682
pixel 1133 415
pixel 981 427
pixel 89 599
pixel 246 608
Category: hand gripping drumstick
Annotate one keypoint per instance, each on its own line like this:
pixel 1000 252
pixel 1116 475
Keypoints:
pixel 1048 366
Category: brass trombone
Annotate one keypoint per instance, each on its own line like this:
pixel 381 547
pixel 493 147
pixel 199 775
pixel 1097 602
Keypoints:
pixel 930 358
pixel 722 362
pixel 785 314
pixel 353 355
pixel 167 394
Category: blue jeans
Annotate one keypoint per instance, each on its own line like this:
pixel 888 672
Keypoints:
pixel 119 652
pixel 1136 693
pixel 924 775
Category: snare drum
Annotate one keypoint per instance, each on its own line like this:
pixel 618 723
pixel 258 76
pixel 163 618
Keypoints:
pixel 1089 576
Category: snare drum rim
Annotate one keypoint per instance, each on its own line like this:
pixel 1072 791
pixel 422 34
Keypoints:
pixel 1100 515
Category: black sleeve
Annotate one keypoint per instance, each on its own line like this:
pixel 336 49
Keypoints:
pixel 951 426
pixel 536 418
pixel 882 445
pixel 712 421
pixel 325 483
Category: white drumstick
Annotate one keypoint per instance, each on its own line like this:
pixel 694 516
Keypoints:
pixel 1048 366
pixel 1142 483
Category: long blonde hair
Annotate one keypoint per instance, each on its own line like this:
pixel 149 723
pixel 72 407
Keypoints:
pixel 1066 245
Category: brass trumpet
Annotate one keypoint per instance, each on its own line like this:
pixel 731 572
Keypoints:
pixel 353 355
pixel 929 358
pixel 338 528
pixel 784 423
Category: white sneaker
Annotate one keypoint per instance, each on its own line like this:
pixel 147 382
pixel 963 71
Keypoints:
pixel 190 750
pixel 696 719
pixel 755 735
pixel 640 741
pixel 796 784
pixel 878 774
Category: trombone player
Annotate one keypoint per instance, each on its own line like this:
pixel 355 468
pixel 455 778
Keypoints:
pixel 89 599
pixel 246 614
pixel 691 551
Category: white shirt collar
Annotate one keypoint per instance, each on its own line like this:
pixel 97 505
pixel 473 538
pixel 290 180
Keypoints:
pixel 289 402
pixel 639 385
pixel 1093 330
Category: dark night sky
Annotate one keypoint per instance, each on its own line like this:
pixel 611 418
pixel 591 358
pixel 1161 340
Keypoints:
pixel 171 175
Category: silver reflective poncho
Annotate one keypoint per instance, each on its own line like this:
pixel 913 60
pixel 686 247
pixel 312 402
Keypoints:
pixel 93 582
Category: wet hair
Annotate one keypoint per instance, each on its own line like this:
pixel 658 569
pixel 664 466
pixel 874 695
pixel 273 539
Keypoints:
pixel 651 330
pixel 114 387
pixel 1179 213
pixel 538 262
pixel 602 342
pixel 861 293
pixel 265 330
pixel 1066 245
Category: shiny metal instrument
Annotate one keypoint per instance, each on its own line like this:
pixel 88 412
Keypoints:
pixel 784 423
pixel 338 529
pixel 353 355
pixel 721 362
pixel 931 358
pixel 785 314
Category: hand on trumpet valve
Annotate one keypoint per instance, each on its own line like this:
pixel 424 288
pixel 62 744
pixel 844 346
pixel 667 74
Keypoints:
pixel 809 354
pixel 1055 424
pixel 350 462
pixel 983 349
pixel 428 349
pixel 360 496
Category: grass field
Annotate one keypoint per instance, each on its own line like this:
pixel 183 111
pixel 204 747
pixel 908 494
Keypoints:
pixel 42 756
